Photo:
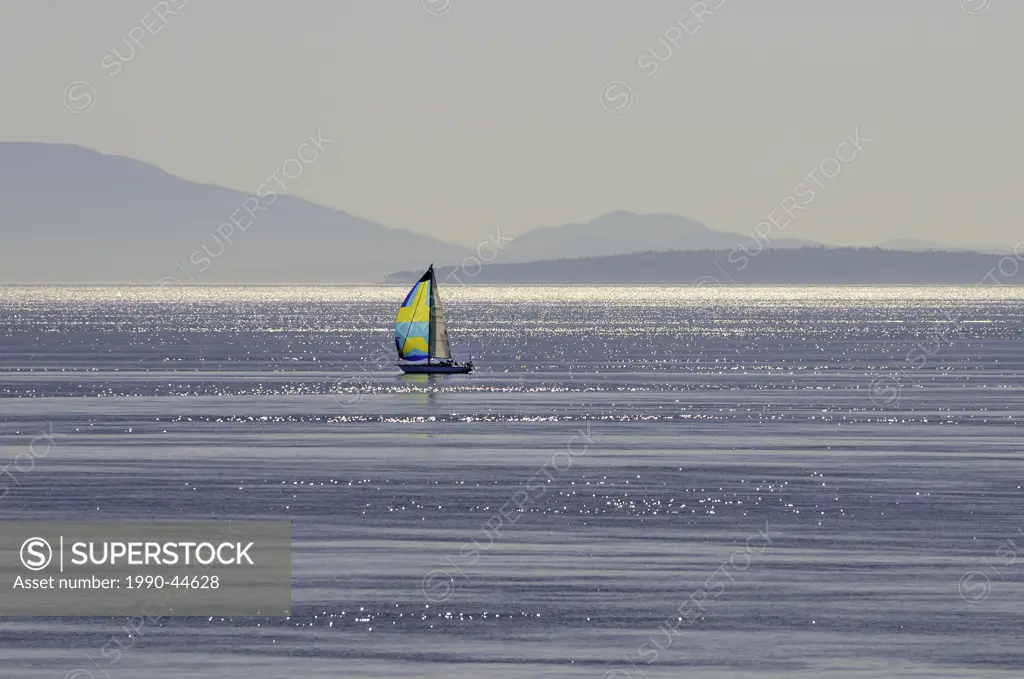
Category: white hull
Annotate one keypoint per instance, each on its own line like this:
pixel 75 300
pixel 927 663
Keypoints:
pixel 436 368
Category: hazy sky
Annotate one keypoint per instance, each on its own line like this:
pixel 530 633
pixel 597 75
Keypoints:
pixel 453 116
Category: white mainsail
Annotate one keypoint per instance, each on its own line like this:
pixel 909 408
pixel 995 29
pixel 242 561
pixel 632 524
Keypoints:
pixel 438 330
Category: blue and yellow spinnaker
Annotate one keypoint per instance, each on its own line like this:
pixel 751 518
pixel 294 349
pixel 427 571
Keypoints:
pixel 412 324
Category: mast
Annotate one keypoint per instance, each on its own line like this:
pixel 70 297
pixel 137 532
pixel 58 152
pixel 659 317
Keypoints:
pixel 432 331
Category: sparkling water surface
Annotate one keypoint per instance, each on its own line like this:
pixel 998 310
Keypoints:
pixel 832 473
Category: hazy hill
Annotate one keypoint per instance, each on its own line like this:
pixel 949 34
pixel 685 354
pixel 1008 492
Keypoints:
pixel 624 232
pixel 921 244
pixel 912 244
pixel 68 214
pixel 803 266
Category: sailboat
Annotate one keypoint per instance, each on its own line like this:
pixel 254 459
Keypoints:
pixel 421 337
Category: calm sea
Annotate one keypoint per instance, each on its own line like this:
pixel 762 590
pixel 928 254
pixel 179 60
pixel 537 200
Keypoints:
pixel 638 482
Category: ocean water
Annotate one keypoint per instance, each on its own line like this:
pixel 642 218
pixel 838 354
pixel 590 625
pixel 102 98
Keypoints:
pixel 637 482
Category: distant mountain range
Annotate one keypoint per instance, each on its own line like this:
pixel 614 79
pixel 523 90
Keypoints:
pixel 72 215
pixel 917 244
pixel 624 232
pixel 784 266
